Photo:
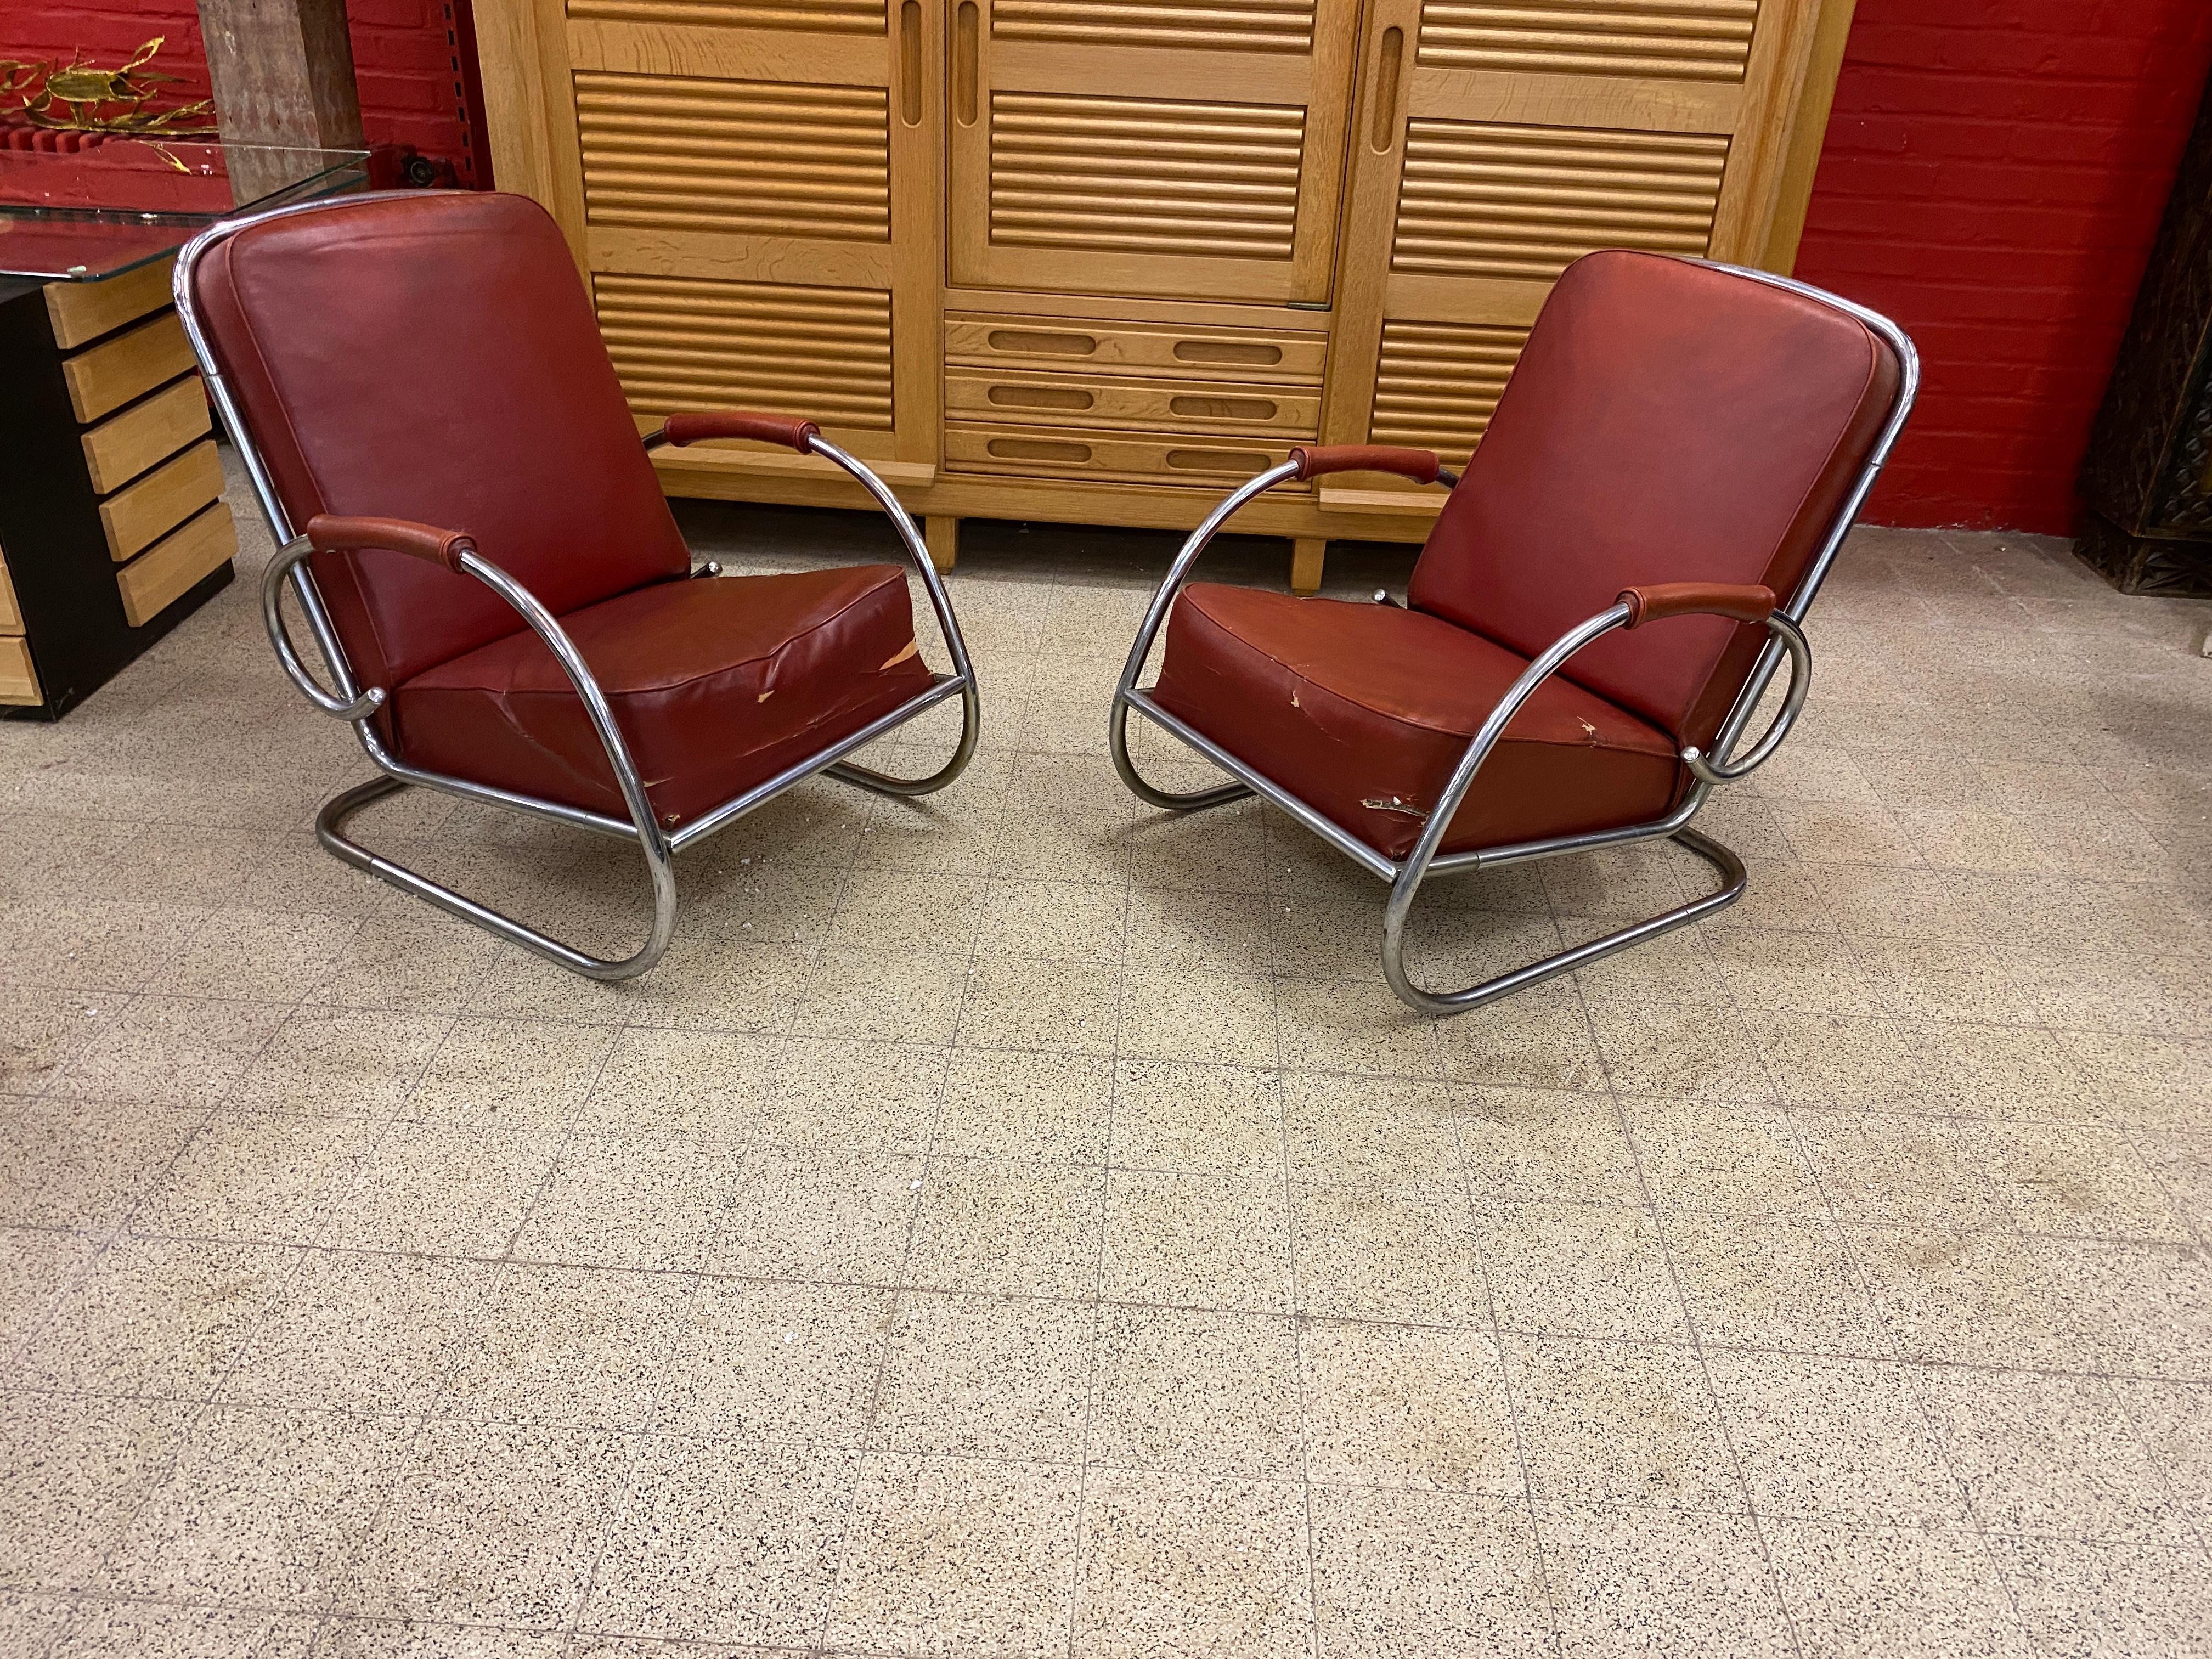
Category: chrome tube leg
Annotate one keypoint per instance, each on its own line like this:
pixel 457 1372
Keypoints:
pixel 659 867
pixel 948 625
pixel 971 727
pixel 1117 739
pixel 1408 883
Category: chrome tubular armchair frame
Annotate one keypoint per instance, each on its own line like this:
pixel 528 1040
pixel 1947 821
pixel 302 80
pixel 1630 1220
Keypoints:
pixel 358 705
pixel 1405 876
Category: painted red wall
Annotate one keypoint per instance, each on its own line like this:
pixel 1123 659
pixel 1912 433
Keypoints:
pixel 1993 178
pixel 406 56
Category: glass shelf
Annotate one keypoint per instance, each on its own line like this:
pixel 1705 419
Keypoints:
pixel 79 214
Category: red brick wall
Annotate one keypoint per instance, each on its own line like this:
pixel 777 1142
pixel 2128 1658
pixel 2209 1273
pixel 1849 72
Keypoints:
pixel 404 54
pixel 1993 178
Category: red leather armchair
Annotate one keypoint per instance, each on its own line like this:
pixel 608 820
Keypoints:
pixel 470 521
pixel 1605 598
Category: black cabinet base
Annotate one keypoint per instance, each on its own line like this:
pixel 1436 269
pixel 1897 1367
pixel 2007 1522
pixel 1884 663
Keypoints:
pixel 98 659
pixel 2160 565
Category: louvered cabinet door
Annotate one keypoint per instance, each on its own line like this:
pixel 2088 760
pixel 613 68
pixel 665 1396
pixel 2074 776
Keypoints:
pixel 1188 148
pixel 731 173
pixel 1497 141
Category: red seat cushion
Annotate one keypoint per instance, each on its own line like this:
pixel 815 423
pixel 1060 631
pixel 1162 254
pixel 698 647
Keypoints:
pixel 1345 704
pixel 715 684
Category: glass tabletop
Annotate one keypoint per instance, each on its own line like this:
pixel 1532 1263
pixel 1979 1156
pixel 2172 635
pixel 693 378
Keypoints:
pixel 111 203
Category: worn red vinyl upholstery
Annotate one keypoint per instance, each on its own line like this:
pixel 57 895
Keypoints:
pixel 716 685
pixel 434 359
pixel 1363 710
pixel 1667 423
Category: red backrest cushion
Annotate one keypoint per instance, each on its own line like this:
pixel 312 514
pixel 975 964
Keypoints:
pixel 434 357
pixel 1667 422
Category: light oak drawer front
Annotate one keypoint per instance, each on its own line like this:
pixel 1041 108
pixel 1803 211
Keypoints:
pixel 1028 451
pixel 133 363
pixel 85 311
pixel 159 577
pixel 1106 400
pixel 11 614
pixel 19 680
pixel 161 500
pixel 118 450
pixel 972 338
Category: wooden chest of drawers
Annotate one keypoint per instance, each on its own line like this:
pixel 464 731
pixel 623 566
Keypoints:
pixel 111 527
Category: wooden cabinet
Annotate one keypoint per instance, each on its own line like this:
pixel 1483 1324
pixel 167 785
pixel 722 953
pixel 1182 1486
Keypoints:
pixel 1092 260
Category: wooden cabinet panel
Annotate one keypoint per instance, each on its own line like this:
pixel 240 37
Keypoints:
pixel 987 340
pixel 1111 456
pixel 1490 199
pixel 108 375
pixel 11 614
pixel 1212 25
pixel 19 679
pixel 84 311
pixel 1695 40
pixel 1143 175
pixel 744 157
pixel 1103 400
pixel 117 450
pixel 1436 383
pixel 855 16
pixel 1496 142
pixel 165 497
pixel 157 578
pixel 1136 147
pixel 687 343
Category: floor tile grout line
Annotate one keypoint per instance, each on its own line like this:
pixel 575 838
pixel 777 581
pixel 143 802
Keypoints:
pixel 1907 1376
pixel 869 1452
pixel 1789 1621
pixel 172 1460
pixel 1506 1386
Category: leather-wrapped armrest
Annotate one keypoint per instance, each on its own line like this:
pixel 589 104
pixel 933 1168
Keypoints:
pixel 1745 602
pixel 1419 465
pixel 786 429
pixel 330 532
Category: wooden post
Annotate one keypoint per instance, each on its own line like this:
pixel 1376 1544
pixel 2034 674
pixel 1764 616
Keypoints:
pixel 281 72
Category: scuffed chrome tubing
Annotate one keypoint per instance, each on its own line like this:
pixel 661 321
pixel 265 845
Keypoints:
pixel 1415 869
pixel 1475 996
pixel 729 812
pixel 273 579
pixel 1816 574
pixel 329 826
pixel 964 671
pixel 1117 719
pixel 1526 852
pixel 576 818
pixel 1253 782
pixel 1715 768
pixel 658 855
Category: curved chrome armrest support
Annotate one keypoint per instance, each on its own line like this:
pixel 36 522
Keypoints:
pixel 1117 726
pixel 972 708
pixel 1709 769
pixel 289 558
pixel 1415 869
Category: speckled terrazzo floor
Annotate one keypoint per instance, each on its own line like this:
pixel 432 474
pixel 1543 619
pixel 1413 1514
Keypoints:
pixel 1019 1223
